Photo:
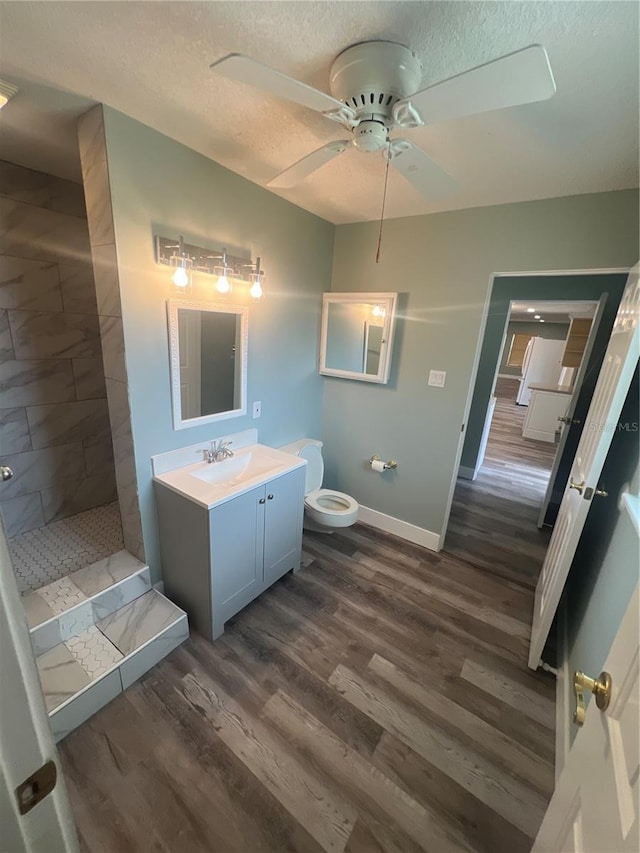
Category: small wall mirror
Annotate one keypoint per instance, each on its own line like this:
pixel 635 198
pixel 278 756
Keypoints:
pixel 357 335
pixel 208 355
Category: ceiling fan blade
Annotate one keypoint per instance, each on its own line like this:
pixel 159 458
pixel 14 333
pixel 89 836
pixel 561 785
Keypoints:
pixel 300 170
pixel 420 170
pixel 519 78
pixel 236 66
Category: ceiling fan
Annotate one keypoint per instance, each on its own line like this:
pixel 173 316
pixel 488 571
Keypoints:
pixel 374 89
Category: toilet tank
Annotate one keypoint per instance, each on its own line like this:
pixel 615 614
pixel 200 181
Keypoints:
pixel 311 450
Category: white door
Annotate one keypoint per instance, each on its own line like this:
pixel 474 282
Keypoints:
pixel 615 377
pixel 594 808
pixel 26 742
pixel 572 407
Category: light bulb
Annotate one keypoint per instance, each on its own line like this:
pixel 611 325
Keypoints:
pixel 180 277
pixel 223 285
pixel 530 310
pixel 256 290
pixel 536 316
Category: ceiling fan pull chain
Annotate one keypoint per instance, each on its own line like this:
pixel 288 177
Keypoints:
pixel 384 199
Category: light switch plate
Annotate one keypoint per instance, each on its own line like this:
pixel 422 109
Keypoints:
pixel 257 409
pixel 437 378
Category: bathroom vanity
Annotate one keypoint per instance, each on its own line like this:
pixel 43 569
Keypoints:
pixel 228 530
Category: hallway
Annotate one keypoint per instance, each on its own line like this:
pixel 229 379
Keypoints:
pixel 494 517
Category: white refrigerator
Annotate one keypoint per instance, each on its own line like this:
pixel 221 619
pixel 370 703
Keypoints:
pixel 542 364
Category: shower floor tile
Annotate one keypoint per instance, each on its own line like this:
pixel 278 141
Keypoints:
pixel 51 552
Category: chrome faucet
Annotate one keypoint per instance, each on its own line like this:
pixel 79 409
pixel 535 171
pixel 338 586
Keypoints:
pixel 219 450
pixel 223 451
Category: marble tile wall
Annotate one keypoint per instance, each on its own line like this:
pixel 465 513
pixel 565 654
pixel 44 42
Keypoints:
pixel 95 174
pixel 55 430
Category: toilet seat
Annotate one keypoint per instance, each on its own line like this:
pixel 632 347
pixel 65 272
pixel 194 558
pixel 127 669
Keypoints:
pixel 331 508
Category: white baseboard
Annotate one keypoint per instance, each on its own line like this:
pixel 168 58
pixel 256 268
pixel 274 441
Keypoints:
pixel 564 686
pixel 403 529
pixel 467 473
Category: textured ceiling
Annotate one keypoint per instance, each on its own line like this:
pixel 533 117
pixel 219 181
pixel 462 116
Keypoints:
pixel 151 61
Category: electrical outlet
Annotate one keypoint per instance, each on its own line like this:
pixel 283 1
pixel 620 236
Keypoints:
pixel 437 378
pixel 257 409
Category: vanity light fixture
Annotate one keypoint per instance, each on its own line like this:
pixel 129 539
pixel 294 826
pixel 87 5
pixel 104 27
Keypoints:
pixel 7 91
pixel 183 266
pixel 536 316
pixel 257 280
pixel 224 273
pixel 530 310
pixel 186 259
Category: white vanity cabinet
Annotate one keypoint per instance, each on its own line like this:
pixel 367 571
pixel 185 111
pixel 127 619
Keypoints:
pixel 215 561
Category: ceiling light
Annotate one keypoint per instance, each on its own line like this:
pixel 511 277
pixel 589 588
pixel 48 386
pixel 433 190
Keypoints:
pixel 7 91
pixel 378 311
pixel 530 310
pixel 536 317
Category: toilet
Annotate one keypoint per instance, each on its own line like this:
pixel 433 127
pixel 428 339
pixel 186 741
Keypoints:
pixel 324 509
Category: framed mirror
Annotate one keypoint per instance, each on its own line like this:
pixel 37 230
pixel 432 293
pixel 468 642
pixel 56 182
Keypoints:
pixel 208 361
pixel 357 335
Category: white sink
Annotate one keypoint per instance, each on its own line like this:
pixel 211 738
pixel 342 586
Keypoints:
pixel 235 468
pixel 247 465
pixel 211 483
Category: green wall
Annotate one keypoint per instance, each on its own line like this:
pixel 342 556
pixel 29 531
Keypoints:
pixel 606 566
pixel 160 186
pixel 441 264
pixel 549 331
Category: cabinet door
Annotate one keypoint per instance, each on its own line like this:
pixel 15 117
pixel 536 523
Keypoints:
pixel 283 524
pixel 236 530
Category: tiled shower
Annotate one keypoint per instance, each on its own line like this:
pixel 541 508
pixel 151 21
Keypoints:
pixel 59 509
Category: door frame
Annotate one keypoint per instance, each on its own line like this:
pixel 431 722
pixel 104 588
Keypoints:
pixel 478 352
pixel 26 741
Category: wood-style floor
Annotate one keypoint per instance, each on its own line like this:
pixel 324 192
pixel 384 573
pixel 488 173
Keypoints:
pixel 378 700
pixel 494 517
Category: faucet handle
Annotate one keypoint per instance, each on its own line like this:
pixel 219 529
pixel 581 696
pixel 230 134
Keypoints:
pixel 205 452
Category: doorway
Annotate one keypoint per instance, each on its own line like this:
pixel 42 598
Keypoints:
pixel 503 477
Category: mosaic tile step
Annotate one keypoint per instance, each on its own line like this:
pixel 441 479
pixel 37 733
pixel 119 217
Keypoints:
pixel 82 585
pixel 82 674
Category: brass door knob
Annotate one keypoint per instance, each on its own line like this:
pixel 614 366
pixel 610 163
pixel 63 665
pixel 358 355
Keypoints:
pixel 600 687
pixel 579 487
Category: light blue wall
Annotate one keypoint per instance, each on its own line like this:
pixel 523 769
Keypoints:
pixel 441 264
pixel 606 567
pixel 550 331
pixel 160 186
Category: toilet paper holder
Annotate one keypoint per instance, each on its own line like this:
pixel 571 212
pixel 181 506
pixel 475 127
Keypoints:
pixel 391 464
